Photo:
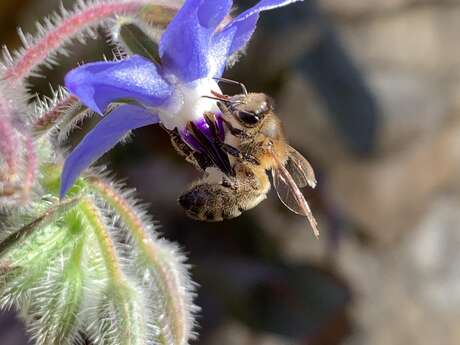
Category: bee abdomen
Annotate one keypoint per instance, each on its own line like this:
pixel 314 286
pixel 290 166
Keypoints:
pixel 210 202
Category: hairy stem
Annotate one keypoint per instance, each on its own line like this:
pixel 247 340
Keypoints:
pixel 71 25
pixel 31 160
pixel 37 224
pixel 51 116
pixel 177 306
pixel 8 139
pixel 94 218
pixel 131 324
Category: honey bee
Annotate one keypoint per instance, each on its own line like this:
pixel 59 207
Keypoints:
pixel 253 145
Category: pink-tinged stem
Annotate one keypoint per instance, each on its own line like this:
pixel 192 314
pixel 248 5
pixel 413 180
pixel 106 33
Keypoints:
pixel 8 138
pixel 31 162
pixel 49 118
pixel 67 29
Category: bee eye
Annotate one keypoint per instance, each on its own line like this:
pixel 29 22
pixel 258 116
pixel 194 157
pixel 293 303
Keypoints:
pixel 248 117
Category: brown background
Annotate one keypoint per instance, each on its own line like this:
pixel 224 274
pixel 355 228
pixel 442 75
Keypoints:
pixel 368 90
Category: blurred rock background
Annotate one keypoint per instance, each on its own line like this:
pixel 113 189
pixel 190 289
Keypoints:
pixel 369 91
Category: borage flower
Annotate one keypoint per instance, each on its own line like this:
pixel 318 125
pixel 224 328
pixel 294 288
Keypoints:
pixel 193 50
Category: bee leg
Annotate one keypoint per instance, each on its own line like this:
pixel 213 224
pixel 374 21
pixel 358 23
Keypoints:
pixel 198 160
pixel 223 108
pixel 179 145
pixel 235 131
pixel 226 114
pixel 233 151
pixel 227 120
pixel 227 183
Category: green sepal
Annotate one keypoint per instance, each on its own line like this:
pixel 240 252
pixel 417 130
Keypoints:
pixel 137 41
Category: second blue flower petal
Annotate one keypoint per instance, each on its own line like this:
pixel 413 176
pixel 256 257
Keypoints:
pixel 101 83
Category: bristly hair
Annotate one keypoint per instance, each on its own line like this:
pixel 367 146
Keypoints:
pixel 93 263
pixel 158 261
pixel 60 28
pixel 50 111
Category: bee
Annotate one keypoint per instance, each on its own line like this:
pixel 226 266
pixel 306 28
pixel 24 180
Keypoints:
pixel 253 145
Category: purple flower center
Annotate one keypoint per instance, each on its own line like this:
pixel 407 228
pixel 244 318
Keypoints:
pixel 207 131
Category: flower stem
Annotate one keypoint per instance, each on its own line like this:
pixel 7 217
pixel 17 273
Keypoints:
pixel 8 139
pixel 128 304
pixel 53 114
pixel 37 224
pixel 177 303
pixel 67 28
pixel 31 160
pixel 94 218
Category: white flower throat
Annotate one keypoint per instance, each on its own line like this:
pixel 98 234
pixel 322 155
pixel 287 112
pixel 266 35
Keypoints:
pixel 188 104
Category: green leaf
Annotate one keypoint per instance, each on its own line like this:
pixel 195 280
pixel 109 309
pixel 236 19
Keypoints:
pixel 47 218
pixel 57 302
pixel 137 41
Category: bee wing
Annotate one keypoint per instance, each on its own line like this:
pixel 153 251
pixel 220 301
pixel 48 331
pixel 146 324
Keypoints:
pixel 300 169
pixel 291 196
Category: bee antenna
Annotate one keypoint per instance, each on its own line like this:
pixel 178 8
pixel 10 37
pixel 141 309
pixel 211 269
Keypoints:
pixel 234 82
pixel 215 98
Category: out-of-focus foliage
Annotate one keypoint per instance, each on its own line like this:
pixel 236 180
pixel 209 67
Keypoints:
pixel 369 91
pixel 90 266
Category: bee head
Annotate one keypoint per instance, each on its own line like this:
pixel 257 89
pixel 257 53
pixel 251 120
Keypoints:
pixel 250 109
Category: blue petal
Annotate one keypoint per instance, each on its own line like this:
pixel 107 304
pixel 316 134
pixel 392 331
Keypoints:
pixel 211 13
pixel 101 139
pixel 219 52
pixel 100 83
pixel 186 43
pixel 242 27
